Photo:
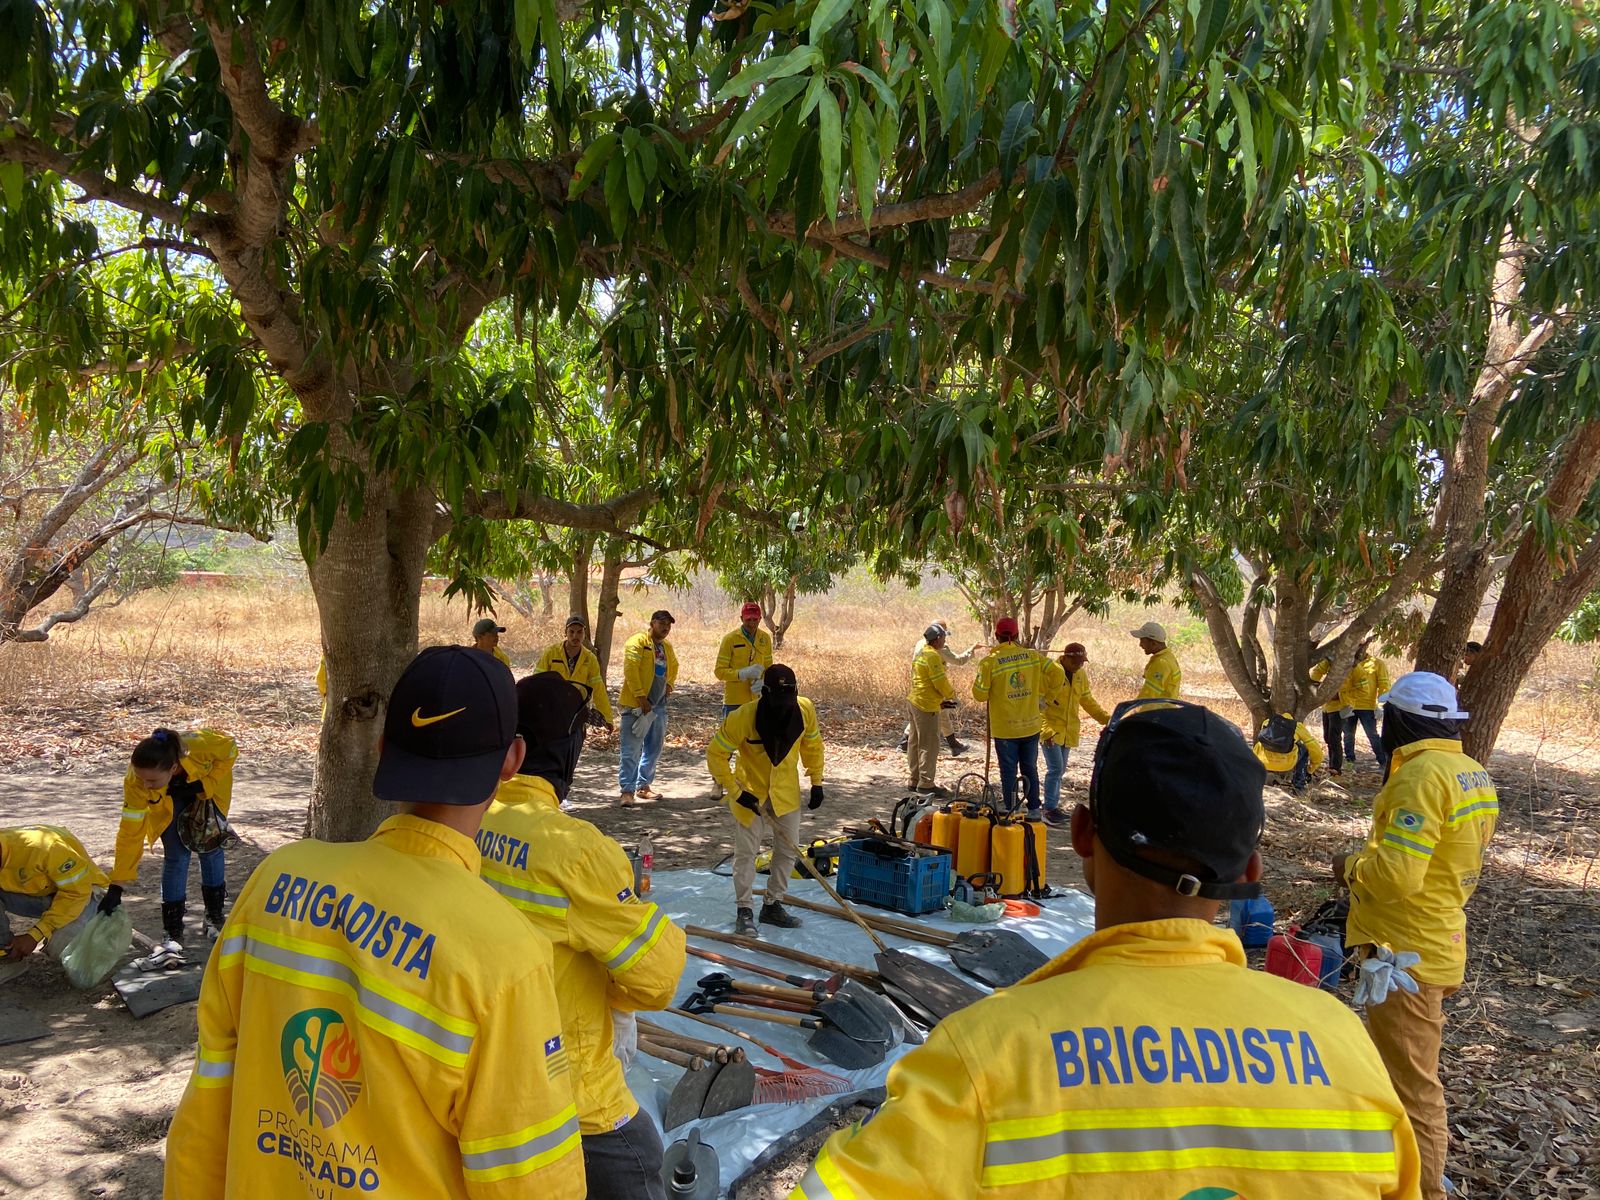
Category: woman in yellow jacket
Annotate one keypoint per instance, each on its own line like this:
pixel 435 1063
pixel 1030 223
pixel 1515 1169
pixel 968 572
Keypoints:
pixel 1367 680
pixel 170 771
pixel 1061 726
pixel 772 736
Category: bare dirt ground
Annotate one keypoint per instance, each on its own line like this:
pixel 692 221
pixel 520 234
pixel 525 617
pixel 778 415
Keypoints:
pixel 84 1111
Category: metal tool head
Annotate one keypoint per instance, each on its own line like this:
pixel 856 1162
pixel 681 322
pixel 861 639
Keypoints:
pixel 997 957
pixel 734 1087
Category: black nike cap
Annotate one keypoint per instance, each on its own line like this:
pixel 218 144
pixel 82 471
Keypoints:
pixel 452 717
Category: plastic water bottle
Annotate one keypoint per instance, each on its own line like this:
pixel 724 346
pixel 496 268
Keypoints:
pixel 647 863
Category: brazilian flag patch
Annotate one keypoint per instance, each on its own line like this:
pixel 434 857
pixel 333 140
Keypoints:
pixel 1408 820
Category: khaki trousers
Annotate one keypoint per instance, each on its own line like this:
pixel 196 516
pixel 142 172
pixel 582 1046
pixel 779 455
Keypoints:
pixel 747 844
pixel 922 748
pixel 1408 1031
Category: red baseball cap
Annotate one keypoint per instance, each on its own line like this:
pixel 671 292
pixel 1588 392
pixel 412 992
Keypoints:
pixel 750 609
pixel 1005 627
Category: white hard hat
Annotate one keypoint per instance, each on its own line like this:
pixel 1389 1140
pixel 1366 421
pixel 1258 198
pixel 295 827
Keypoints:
pixel 1426 695
pixel 1154 630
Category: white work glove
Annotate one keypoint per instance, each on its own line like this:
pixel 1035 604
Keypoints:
pixel 624 1037
pixel 642 723
pixel 1384 973
pixel 751 673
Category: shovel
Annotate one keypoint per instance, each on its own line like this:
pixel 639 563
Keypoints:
pixel 818 987
pixel 848 1011
pixel 865 974
pixel 937 990
pixel 825 1038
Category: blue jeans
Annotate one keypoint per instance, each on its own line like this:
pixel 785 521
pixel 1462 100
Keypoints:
pixel 1015 754
pixel 1302 768
pixel 639 754
pixel 1055 766
pixel 1368 720
pixel 175 866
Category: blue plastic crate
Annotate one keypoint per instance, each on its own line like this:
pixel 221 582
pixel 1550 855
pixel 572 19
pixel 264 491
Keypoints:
pixel 911 885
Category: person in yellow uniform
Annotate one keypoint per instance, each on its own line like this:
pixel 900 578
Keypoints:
pixel 1148 1060
pixel 374 1020
pixel 576 663
pixel 48 879
pixel 1163 678
pixel 1333 721
pixel 649 673
pixel 1061 726
pixel 947 726
pixel 743 658
pixel 169 773
pixel 930 694
pixel 1368 680
pixel 771 737
pixel 1285 747
pixel 486 637
pixel 1409 887
pixel 614 953
pixel 1015 681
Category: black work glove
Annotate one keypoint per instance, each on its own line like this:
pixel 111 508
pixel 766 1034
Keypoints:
pixel 594 720
pixel 112 900
pixel 947 704
pixel 816 797
pixel 749 801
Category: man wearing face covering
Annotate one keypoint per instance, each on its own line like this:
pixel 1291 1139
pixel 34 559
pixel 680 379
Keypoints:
pixel 1409 886
pixel 772 737
pixel 614 954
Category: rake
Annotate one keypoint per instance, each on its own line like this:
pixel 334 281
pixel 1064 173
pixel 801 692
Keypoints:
pixel 800 1081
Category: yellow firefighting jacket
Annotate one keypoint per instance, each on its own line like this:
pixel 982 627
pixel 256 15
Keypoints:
pixel 502 655
pixel 930 683
pixel 611 950
pixel 755 772
pixel 1163 678
pixel 208 757
pixel 586 673
pixel 1061 719
pixel 1367 680
pixel 1016 681
pixel 736 653
pixel 1146 1061
pixel 46 860
pixel 1409 885
pixel 639 669
pixel 1318 674
pixel 1275 761
pixel 375 1020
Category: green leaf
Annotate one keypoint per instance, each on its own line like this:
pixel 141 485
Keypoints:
pixel 11 184
pixel 1015 133
pixel 525 21
pixel 832 147
pixel 827 14
pixel 1245 120
pixel 1210 24
pixel 792 63
pixel 1183 241
pixel 864 159
pixel 772 98
pixel 590 162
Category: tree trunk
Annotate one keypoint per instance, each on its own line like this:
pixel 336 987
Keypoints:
pixel 546 583
pixel 785 615
pixel 606 616
pixel 578 580
pixel 368 584
pixel 1230 652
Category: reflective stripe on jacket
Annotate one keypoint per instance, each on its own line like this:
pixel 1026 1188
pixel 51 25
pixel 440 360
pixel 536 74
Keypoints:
pixel 46 860
pixel 639 669
pixel 208 758
pixel 736 653
pixel 375 1020
pixel 587 673
pixel 1409 885
pixel 611 950
pixel 755 772
pixel 1015 681
pixel 930 684
pixel 1061 715
pixel 1275 760
pixel 1367 680
pixel 1146 1061
pixel 1163 678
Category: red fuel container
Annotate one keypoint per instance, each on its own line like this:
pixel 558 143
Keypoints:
pixel 1295 958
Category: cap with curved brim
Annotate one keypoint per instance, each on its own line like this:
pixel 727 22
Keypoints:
pixel 1425 694
pixel 452 715
pixel 1153 630
pixel 404 777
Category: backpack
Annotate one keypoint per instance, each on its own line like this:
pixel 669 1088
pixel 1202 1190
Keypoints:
pixel 1277 735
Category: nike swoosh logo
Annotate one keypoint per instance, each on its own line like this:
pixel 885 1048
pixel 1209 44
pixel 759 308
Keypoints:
pixel 419 720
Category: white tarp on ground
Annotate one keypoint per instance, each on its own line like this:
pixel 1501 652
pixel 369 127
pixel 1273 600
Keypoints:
pixel 742 1138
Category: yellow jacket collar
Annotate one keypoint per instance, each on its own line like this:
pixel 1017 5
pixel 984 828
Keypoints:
pixel 429 839
pixel 1175 942
pixel 1412 749
pixel 528 789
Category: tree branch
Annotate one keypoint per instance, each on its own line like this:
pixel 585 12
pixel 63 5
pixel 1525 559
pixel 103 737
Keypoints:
pixel 23 147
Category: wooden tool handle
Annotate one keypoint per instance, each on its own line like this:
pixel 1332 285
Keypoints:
pixel 766 1014
pixel 690 1062
pixel 662 1036
pixel 728 960
pixel 865 974
pixel 905 929
pixel 799 995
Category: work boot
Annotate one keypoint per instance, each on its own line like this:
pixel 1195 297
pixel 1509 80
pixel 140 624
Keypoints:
pixel 172 919
pixel 1054 816
pixel 957 746
pixel 902 746
pixel 774 913
pixel 214 898
pixel 745 922
pixel 626 800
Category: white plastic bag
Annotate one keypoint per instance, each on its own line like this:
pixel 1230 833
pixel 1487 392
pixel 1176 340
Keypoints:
pixel 95 952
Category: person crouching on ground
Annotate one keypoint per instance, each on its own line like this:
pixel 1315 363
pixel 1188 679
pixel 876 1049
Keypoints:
pixel 1285 746
pixel 48 879
pixel 169 774
pixel 771 737
pixel 614 954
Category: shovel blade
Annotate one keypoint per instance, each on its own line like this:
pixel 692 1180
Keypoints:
pixel 734 1087
pixel 934 989
pixel 997 957
pixel 689 1096
pixel 839 1048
